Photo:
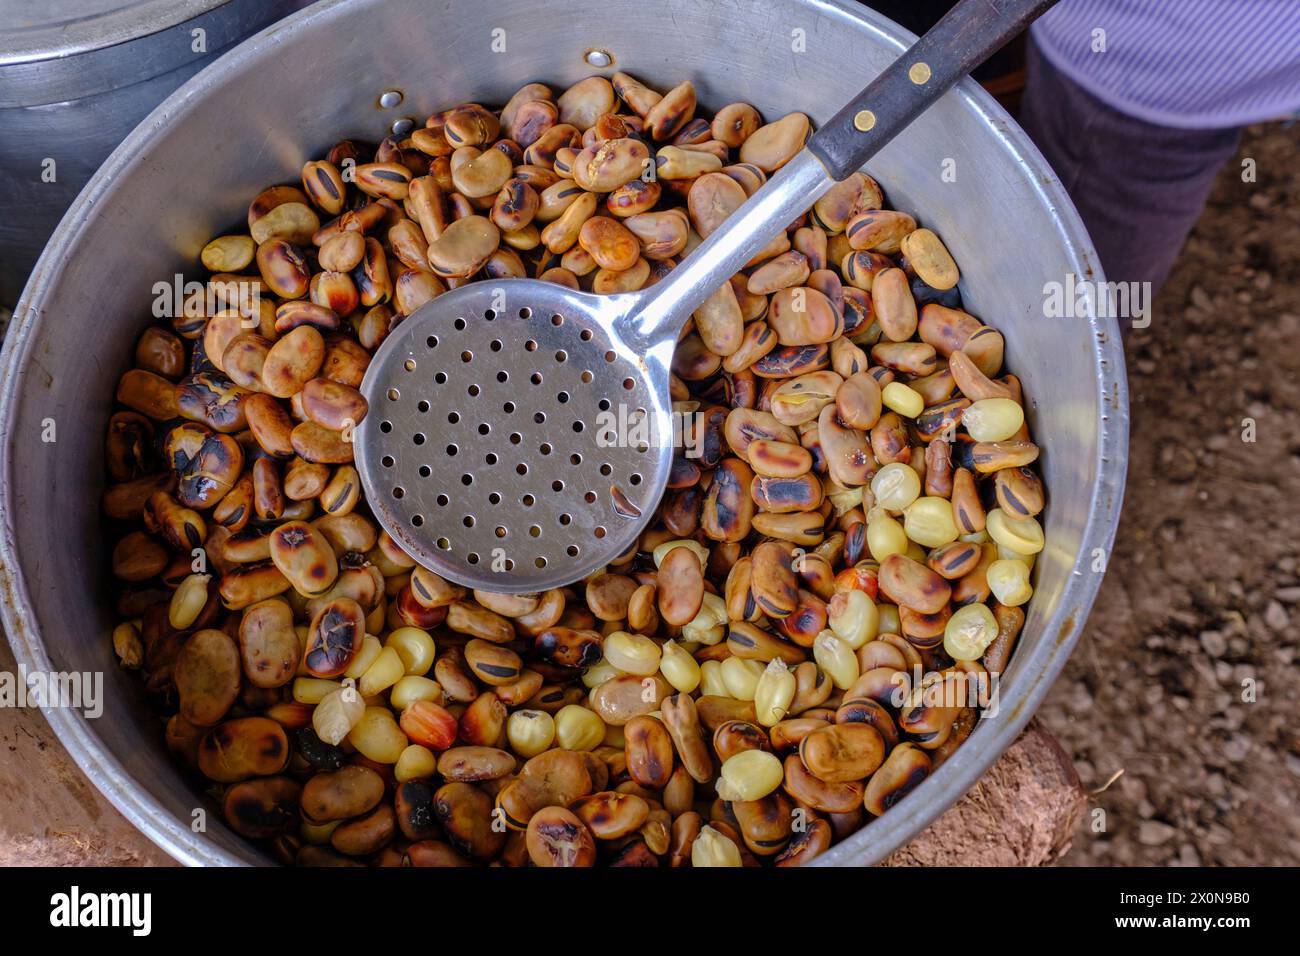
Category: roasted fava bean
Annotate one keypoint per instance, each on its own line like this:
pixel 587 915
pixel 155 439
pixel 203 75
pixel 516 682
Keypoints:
pixel 238 749
pixel 842 753
pixel 268 643
pixel 492 663
pixel 905 581
pixel 609 814
pixel 207 677
pixel 556 837
pixel 304 557
pixel 334 638
pixel 621 698
pixel 904 769
pixel 648 751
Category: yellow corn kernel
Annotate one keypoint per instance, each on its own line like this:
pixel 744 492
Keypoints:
pixel 632 653
pixel 412 688
pixel 700 550
pixel 750 775
pixel 317 834
pixel 530 732
pixel 711 682
pixel 709 626
pixel 598 673
pixel 969 631
pixel 1022 535
pixel 188 601
pixel 885 536
pixel 889 620
pixel 614 737
pixel 1006 554
pixel 377 736
pixel 312 690
pixel 371 647
pixel 836 659
pixel 577 728
pixel 774 693
pixel 928 521
pixel 679 668
pixel 854 618
pixel 895 486
pixel 993 419
pixel 127 645
pixel 741 677
pixel 415 763
pixel 1009 582
pixel 338 713
pixel 902 399
pixel 711 848
pixel 386 671
pixel 415 647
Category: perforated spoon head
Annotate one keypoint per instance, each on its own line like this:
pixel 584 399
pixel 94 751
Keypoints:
pixel 515 440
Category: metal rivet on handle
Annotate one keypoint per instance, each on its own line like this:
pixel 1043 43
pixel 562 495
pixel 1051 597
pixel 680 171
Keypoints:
pixel 864 120
pixel 403 126
pixel 390 98
pixel 919 73
pixel 599 58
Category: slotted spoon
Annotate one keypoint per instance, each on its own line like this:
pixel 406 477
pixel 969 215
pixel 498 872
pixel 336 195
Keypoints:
pixel 520 434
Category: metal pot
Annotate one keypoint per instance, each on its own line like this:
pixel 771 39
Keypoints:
pixel 75 77
pixel 254 117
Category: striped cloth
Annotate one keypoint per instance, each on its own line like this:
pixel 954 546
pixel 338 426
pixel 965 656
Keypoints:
pixel 1190 64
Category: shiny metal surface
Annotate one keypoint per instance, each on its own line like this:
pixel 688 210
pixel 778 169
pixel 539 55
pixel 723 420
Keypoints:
pixel 520 434
pixel 189 170
pixel 75 77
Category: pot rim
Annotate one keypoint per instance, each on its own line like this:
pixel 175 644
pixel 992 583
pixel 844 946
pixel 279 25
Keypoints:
pixel 1034 675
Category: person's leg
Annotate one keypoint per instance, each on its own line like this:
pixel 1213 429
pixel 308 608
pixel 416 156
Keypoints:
pixel 1139 187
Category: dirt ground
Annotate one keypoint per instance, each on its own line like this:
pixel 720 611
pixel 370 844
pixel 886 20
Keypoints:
pixel 1200 610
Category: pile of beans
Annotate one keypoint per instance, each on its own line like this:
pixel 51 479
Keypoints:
pixel 853 528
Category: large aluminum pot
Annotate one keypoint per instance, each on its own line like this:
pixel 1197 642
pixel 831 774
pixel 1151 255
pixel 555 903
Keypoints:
pixel 75 77
pixel 285 96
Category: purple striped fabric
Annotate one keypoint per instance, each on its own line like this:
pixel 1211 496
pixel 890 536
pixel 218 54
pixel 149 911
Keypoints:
pixel 1191 64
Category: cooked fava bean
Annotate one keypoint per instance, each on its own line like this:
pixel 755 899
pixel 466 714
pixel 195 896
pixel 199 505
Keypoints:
pixel 556 837
pixel 492 663
pixel 842 753
pixel 621 698
pixel 465 813
pixel 246 747
pixel 609 814
pixel 207 676
pixel 648 751
pixel 469 764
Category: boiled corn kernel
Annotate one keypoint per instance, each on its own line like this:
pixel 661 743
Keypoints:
pixel 902 399
pixel 530 732
pixel 889 620
pixel 188 601
pixel 750 775
pixel 1006 554
pixel 386 671
pixel 598 673
pixel 614 736
pixel 709 626
pixel 412 688
pixel 337 714
pixel 312 690
pixel 895 486
pixel 885 536
pixel 928 521
pixel 127 645
pixel 854 619
pixel 774 693
pixel 377 736
pixel 969 631
pixel 679 668
pixel 1009 582
pixel 711 848
pixel 577 728
pixel 741 677
pixel 993 419
pixel 415 763
pixel 711 682
pixel 700 550
pixel 371 647
pixel 1022 535
pixel 836 659
pixel 632 653
pixel 415 647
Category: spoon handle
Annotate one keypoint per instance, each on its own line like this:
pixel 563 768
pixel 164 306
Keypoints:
pixel 968 35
